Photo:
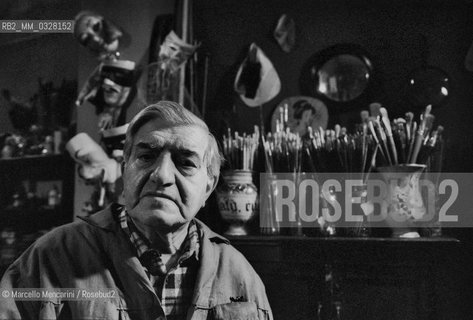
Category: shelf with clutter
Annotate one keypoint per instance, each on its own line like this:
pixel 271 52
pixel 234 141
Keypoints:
pixel 37 189
pixel 43 183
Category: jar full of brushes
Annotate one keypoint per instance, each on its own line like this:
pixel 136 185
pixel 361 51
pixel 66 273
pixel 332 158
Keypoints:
pixel 237 199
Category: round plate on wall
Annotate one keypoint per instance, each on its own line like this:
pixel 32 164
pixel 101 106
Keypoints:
pixel 341 74
pixel 302 112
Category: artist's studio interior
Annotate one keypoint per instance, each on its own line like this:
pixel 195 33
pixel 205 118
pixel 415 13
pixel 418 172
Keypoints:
pixel 343 129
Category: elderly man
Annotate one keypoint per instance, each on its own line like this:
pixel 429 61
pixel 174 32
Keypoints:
pixel 161 262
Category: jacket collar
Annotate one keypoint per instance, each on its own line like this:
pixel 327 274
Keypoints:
pixel 107 219
pixel 209 234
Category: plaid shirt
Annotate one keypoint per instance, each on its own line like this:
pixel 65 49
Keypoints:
pixel 176 287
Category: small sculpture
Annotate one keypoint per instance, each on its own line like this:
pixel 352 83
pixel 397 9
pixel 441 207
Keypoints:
pixel 99 35
pixel 163 75
pixel 108 87
pixel 115 93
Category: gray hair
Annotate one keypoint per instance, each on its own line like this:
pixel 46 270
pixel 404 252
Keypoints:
pixel 175 114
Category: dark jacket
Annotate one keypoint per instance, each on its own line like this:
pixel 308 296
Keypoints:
pixel 95 254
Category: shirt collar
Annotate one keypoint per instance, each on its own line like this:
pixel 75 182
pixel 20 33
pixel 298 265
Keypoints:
pixel 189 248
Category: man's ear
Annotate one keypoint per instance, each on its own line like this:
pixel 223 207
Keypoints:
pixel 211 184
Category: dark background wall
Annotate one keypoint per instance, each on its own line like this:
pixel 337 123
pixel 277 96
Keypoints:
pixel 399 36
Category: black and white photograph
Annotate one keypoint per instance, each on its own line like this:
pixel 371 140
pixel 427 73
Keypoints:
pixel 237 159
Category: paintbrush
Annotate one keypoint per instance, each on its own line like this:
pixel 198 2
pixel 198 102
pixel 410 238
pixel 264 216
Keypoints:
pixel 364 146
pixel 286 114
pixel 409 119
pixel 413 128
pixel 428 148
pixel 374 109
pixel 401 139
pixel 389 133
pixel 375 137
pixel 383 139
pixel 372 163
pixel 438 159
pixel 322 135
pixel 337 130
pixel 280 126
pixel 364 115
pixel 424 128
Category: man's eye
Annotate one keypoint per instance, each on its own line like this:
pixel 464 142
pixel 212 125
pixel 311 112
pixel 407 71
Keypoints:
pixel 145 157
pixel 188 163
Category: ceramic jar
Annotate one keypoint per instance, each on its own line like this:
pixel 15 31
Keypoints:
pixel 237 200
pixel 404 202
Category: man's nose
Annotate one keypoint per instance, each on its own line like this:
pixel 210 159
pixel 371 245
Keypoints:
pixel 163 171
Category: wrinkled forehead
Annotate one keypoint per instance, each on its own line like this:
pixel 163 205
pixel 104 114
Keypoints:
pixel 158 134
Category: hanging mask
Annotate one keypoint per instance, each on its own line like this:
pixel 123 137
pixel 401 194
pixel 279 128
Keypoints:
pixel 257 81
pixel 174 52
pixel 97 34
pixel 285 33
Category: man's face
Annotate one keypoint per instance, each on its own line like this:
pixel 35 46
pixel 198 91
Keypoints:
pixel 113 93
pixel 165 177
pixel 307 117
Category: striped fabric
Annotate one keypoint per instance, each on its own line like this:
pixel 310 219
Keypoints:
pixel 176 287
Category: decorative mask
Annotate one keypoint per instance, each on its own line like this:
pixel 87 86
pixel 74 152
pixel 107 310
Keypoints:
pixel 257 81
pixel 96 33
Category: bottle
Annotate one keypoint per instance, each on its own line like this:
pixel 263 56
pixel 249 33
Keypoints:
pixel 336 311
pixel 53 197
pixel 48 145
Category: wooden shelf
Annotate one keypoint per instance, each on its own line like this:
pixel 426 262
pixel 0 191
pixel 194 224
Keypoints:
pixel 54 158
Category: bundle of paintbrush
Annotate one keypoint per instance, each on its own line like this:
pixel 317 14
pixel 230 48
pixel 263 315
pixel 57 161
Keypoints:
pixel 241 151
pixel 282 151
pixel 337 151
pixel 405 140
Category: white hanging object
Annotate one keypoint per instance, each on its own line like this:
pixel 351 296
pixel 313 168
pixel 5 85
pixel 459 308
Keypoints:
pixel 269 84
